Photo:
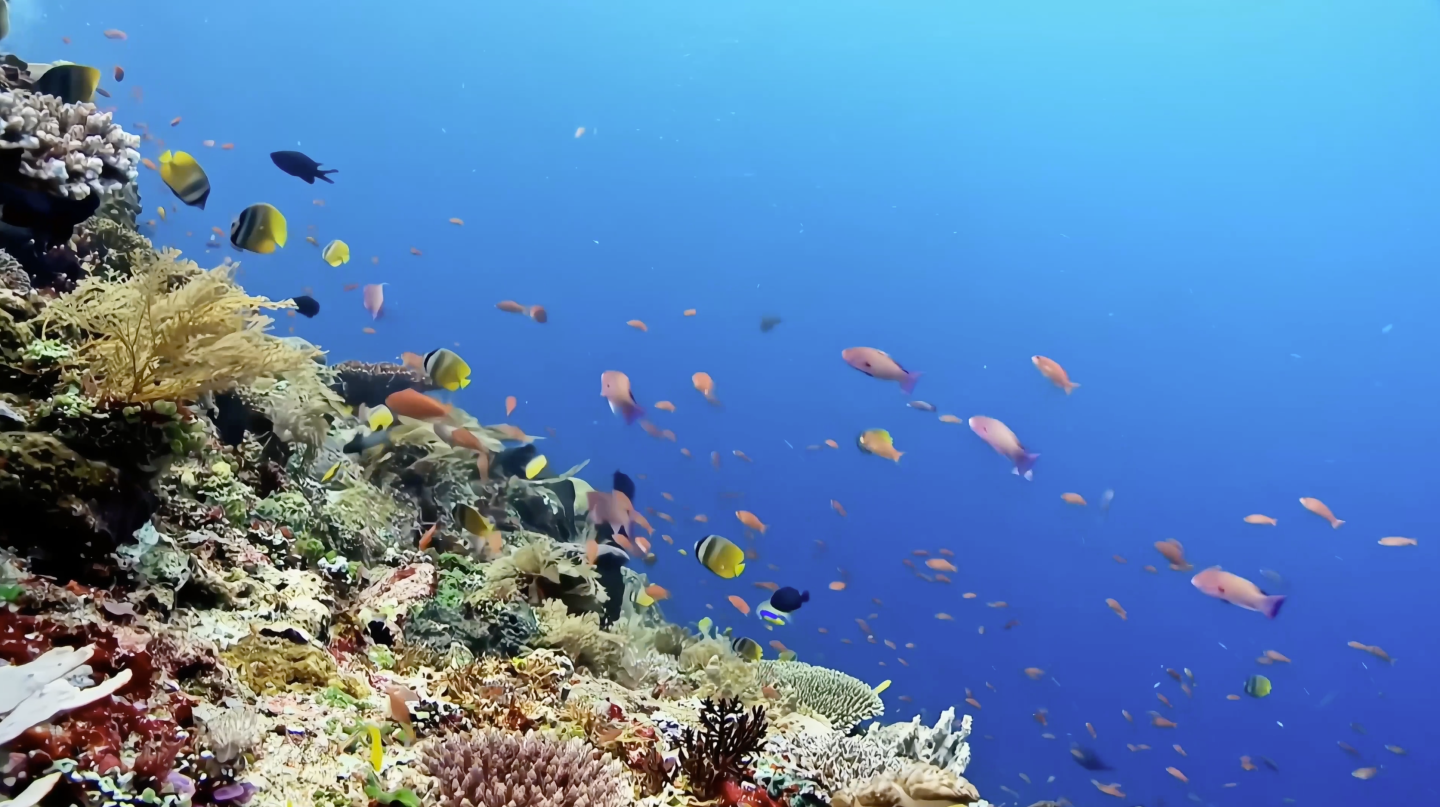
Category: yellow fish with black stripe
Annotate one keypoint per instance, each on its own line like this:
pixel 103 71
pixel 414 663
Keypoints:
pixel 185 178
pixel 259 228
pixel 71 83
pixel 336 252
pixel 720 555
pixel 446 368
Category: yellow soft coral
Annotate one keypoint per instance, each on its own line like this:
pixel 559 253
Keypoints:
pixel 171 331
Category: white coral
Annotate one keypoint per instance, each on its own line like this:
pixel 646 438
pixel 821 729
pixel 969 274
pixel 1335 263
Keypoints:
pixel 68 146
pixel 943 745
pixel 35 692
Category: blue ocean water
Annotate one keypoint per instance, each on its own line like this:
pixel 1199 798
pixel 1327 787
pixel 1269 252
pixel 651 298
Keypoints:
pixel 1218 216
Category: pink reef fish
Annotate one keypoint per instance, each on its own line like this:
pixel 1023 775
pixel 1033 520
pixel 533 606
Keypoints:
pixel 615 387
pixel 615 508
pixel 1004 441
pixel 375 299
pixel 1236 590
pixel 878 364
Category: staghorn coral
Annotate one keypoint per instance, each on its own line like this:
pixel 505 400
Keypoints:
pixel 723 748
pixel 171 331
pixel 841 698
pixel 579 637
pixel 494 769
pixel 835 759
pixel 915 785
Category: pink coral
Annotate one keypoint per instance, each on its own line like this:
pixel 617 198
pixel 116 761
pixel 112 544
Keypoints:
pixel 495 769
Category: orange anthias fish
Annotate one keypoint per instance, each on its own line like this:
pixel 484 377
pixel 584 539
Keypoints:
pixel 1256 518
pixel 1318 508
pixel 510 403
pixel 415 404
pixel 657 592
pixel 1005 443
pixel 1373 650
pixel 750 520
pixel 878 364
pixel 1236 590
pixel 1115 606
pixel 1395 540
pixel 615 388
pixel 1175 553
pixel 837 507
pixel 510 306
pixel 740 605
pixel 616 509
pixel 941 565
pixel 1073 498
pixel 374 299
pixel 705 385
pixel 1053 371
pixel 665 406
pixel 1112 789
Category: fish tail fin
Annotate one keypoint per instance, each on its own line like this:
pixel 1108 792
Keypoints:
pixel 311 180
pixel 325 175
pixel 898 455
pixel 907 384
pixel 1025 466
pixel 1270 606
pixel 633 412
pixel 1336 524
pixel 1071 386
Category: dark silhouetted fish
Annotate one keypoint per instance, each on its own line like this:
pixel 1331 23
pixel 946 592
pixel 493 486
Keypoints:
pixel 1087 758
pixel 297 164
pixel 767 324
pixel 625 485
pixel 307 306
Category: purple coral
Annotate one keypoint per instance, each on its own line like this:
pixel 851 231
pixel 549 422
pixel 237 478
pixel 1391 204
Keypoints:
pixel 494 769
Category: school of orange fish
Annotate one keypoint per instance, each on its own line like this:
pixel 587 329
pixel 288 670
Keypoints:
pixel 616 388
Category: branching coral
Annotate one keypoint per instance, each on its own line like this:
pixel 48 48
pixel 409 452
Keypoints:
pixel 171 331
pixel 36 692
pixel 724 747
pixel 496 769
pixel 841 698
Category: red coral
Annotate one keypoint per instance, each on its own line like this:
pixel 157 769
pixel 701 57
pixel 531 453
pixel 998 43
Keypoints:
pixel 733 794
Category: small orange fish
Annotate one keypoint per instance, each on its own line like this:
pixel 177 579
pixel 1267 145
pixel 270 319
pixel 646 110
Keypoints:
pixel 1035 673
pixel 175 121
pixel 1115 606
pixel 1256 518
pixel 740 605
pixel 114 33
pixel 1151 569
pixel 689 312
pixel 1232 697
pixel 1158 721
pixel 1112 789
pixel 1175 553
pixel 741 455
pixel 940 578
pixel 223 146
pixel 969 595
pixel 997 604
pixel 367 329
pixel 657 592
pixel 778 646
pixel 941 565
pixel 510 306
pixel 148 163
pixel 592 551
pixel 686 452
pixel 1397 541
pixel 1119 559
pixel 1073 498
pixel 832 444
pixel 1363 773
pixel 702 518
pixel 1161 697
pixel 643 544
pixel 944 617
pixel 837 585
pixel 429 536
pixel 665 406
pixel 974 703
pixel 119 73
pixel 1175 772
pixel 637 325
pixel 539 314
pixel 1373 650
pixel 837 507
pixel 1246 764
pixel 705 385
pixel 1126 715
pixel 768 586
pixel 715 460
pixel 509 405
pixel 947 553
pixel 751 521
pixel 1042 716
pixel 1091 729
pixel 579 132
pixel 351 286
pixel 1275 655
pixel 951 419
pixel 1318 508
pixel 1055 373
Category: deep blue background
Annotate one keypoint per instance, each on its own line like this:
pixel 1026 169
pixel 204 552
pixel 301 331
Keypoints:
pixel 1207 211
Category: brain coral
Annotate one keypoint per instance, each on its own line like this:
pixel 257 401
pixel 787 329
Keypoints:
pixel 843 699
pixel 496 769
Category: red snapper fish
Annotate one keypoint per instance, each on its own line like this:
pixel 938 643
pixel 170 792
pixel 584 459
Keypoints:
pixel 1005 443
pixel 1236 590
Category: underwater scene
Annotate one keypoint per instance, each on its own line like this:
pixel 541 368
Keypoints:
pixel 748 404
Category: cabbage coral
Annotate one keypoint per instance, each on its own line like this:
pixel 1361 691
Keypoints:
pixel 843 699
pixel 496 769
pixel 172 331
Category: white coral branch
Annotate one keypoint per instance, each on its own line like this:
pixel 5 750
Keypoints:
pixel 35 692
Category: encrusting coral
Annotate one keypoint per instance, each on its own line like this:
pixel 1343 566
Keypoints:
pixel 171 331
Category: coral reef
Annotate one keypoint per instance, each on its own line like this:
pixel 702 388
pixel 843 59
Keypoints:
pixel 206 601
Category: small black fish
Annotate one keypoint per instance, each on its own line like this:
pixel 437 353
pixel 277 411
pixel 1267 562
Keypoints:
pixel 625 485
pixel 298 165
pixel 767 324
pixel 1269 763
pixel 788 600
pixel 307 306
pixel 1087 758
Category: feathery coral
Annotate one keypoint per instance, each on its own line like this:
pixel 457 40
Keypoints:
pixel 171 331
pixel 722 750
pixel 494 769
